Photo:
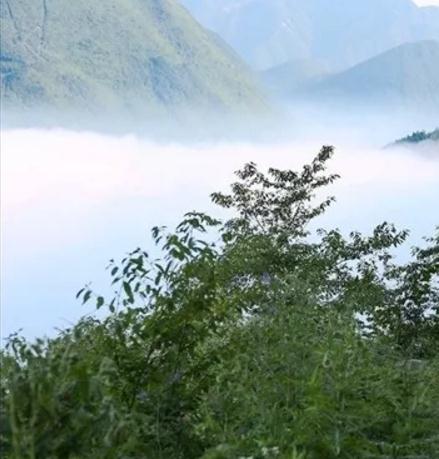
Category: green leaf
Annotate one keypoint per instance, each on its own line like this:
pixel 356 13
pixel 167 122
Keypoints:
pixel 86 296
pixel 100 302
pixel 128 291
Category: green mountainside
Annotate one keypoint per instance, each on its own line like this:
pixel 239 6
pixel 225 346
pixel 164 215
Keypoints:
pixel 143 55
pixel 406 76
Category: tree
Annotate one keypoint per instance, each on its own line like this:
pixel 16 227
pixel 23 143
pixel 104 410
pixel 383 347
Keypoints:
pixel 245 338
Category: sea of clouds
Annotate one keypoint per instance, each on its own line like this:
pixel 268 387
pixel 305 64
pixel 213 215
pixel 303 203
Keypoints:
pixel 72 200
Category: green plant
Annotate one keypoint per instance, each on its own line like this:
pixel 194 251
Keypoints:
pixel 244 339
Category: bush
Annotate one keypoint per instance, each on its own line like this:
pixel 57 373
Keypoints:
pixel 261 344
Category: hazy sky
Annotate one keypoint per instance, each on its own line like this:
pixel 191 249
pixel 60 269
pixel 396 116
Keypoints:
pixel 427 2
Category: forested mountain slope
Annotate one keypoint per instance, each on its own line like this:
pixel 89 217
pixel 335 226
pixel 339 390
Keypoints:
pixel 118 54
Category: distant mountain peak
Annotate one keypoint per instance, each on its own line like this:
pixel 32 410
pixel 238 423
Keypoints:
pixel 342 33
pixel 406 76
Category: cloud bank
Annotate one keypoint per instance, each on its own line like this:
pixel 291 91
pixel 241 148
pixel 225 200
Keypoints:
pixel 72 200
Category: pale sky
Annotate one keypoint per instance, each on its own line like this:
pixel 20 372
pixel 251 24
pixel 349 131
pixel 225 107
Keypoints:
pixel 427 2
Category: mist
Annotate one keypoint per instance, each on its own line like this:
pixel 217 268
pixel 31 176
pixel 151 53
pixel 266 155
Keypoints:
pixel 74 199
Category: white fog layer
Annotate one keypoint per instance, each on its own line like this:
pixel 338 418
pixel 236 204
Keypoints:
pixel 71 201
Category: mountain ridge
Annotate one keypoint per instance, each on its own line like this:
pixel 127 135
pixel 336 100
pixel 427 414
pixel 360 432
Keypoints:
pixel 405 76
pixel 118 55
pixel 344 32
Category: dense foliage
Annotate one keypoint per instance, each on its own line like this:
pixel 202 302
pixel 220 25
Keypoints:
pixel 248 338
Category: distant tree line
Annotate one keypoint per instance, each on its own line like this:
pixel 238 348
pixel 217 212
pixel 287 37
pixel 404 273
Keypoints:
pixel 420 136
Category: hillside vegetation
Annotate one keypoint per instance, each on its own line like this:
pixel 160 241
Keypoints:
pixel 419 137
pixel 142 55
pixel 245 339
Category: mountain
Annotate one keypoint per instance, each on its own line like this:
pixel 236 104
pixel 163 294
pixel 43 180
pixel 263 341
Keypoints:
pixel 341 33
pixel 144 55
pixel 294 77
pixel 404 77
